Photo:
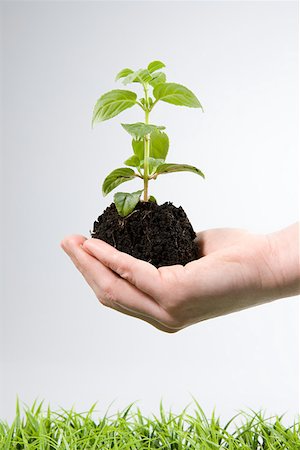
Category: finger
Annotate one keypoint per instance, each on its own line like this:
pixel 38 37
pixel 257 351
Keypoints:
pixel 70 245
pixel 107 285
pixel 74 239
pixel 114 305
pixel 139 273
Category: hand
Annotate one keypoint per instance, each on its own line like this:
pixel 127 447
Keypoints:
pixel 234 273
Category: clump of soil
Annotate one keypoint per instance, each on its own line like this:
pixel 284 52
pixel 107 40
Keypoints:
pixel 159 234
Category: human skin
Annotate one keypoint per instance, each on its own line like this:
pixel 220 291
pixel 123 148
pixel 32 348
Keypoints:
pixel 238 270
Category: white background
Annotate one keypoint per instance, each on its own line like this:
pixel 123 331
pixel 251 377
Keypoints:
pixel 58 343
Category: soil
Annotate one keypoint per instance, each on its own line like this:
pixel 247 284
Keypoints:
pixel 159 234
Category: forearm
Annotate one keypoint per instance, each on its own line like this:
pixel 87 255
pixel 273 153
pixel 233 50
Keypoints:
pixel 284 260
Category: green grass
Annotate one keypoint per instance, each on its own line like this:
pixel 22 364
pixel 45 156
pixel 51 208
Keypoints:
pixel 37 429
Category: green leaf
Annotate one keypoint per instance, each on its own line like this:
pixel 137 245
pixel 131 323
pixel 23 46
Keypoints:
pixel 153 164
pixel 176 94
pixel 152 199
pixel 172 167
pixel 126 202
pixel 158 78
pixel 138 148
pixel 133 161
pixel 117 177
pixel 139 130
pixel 112 103
pixel 123 73
pixel 140 76
pixel 159 145
pixel 144 76
pixel 155 65
pixel 131 77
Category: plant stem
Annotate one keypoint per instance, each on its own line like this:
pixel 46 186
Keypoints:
pixel 146 146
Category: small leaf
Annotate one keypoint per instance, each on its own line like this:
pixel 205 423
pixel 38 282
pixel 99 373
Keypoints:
pixel 131 77
pixel 123 73
pixel 176 94
pixel 139 130
pixel 159 145
pixel 117 177
pixel 155 65
pixel 172 167
pixel 133 161
pixel 140 76
pixel 112 103
pixel 158 78
pixel 126 202
pixel 152 199
pixel 138 148
pixel 153 164
pixel 144 76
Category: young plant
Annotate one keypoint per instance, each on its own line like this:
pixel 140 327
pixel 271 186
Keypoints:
pixel 150 144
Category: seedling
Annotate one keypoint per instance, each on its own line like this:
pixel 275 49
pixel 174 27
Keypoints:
pixel 150 144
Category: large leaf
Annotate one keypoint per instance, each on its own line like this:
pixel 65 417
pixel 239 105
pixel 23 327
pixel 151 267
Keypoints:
pixel 117 177
pixel 172 167
pixel 159 146
pixel 139 130
pixel 155 65
pixel 157 78
pixel 123 73
pixel 176 94
pixel 126 202
pixel 112 103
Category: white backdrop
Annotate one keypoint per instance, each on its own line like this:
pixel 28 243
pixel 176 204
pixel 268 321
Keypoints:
pixel 58 343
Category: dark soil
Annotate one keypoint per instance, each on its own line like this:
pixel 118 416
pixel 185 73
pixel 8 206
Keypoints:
pixel 159 234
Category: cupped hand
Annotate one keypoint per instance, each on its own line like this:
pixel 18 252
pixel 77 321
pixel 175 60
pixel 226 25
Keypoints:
pixel 233 274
